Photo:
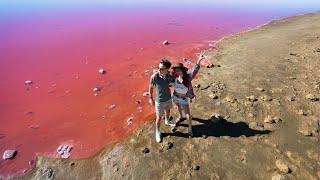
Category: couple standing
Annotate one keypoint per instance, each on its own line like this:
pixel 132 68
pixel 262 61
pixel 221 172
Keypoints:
pixel 183 92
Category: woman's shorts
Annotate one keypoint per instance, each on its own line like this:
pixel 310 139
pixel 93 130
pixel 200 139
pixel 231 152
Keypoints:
pixel 160 107
pixel 183 102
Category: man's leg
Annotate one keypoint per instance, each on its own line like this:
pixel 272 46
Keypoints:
pixel 159 114
pixel 168 121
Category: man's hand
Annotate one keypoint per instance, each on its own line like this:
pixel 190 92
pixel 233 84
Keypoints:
pixel 151 101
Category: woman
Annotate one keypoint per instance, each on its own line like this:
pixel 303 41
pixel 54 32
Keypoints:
pixel 183 91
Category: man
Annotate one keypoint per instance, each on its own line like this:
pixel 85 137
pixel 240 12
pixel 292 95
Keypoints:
pixel 163 103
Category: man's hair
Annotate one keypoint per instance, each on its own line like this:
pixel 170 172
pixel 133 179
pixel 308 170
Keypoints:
pixel 166 63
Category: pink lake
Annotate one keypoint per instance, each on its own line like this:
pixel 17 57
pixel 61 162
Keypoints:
pixel 61 47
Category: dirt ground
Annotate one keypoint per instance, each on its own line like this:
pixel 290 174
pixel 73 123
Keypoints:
pixel 264 84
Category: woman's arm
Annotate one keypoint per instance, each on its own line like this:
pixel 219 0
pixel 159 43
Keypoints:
pixel 196 67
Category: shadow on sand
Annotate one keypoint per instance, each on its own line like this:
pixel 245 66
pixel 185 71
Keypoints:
pixel 217 127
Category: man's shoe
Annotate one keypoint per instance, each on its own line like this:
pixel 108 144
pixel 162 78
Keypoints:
pixel 158 136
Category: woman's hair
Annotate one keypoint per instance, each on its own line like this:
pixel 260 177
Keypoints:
pixel 185 77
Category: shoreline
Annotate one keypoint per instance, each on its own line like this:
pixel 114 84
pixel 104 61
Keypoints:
pixel 112 145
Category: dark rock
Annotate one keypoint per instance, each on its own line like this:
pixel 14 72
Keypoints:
pixel 197 168
pixel 169 145
pixel 138 101
pixel 145 150
pixel 312 97
pixel 197 86
pixel 9 154
pixel 210 66
pixel 50 173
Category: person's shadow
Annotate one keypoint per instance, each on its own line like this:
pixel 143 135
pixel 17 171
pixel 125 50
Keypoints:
pixel 217 127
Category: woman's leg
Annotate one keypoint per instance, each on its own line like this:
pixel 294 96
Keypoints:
pixel 189 118
pixel 180 111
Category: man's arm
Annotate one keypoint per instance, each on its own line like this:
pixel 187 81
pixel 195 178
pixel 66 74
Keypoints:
pixel 151 85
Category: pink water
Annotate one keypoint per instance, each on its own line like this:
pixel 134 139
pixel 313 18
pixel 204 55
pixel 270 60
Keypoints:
pixel 61 52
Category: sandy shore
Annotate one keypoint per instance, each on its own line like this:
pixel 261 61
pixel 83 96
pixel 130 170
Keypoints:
pixel 267 92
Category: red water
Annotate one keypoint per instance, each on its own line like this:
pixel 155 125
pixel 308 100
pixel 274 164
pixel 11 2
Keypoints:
pixel 61 53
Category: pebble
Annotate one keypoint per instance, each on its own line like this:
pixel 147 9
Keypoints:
pixel 213 96
pixel 312 97
pixel 210 66
pixel 266 98
pixel 269 119
pixel 251 98
pixel 138 101
pixel 146 94
pixel 166 42
pixel 302 112
pixel 31 162
pixel 146 150
pixel 197 86
pixel 282 166
pixel 305 132
pixel 317 50
pixel 129 121
pixel 96 89
pixel 28 82
pixel 102 71
pixel 291 98
pixel 112 106
pixel 260 89
pixel 9 154
pixel 231 99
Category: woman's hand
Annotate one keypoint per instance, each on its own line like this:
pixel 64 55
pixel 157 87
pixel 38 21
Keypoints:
pixel 201 57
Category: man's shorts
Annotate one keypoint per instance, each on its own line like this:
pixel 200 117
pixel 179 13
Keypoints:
pixel 162 106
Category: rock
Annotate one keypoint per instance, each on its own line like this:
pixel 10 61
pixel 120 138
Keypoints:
pixel 210 66
pixel 65 155
pixel 251 98
pixel 230 99
pixel 9 154
pixel 213 96
pixel 317 50
pixel 145 150
pixel 197 86
pixel 166 42
pixel 250 114
pixel 31 162
pixel 305 132
pixel 196 168
pixel 311 97
pixel 266 98
pixel 291 98
pixel 278 177
pixel 277 119
pixel 184 59
pixel 50 173
pixel 260 89
pixel 169 145
pixel 138 101
pixel 72 164
pixel 129 121
pixel 282 166
pixel 102 71
pixel 112 106
pixel 146 94
pixel 96 89
pixel 292 54
pixel 271 120
pixel 215 118
pixel 64 150
pixel 28 82
pixel 302 112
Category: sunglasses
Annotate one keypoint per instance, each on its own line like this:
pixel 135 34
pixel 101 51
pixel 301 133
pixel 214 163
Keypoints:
pixel 162 69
